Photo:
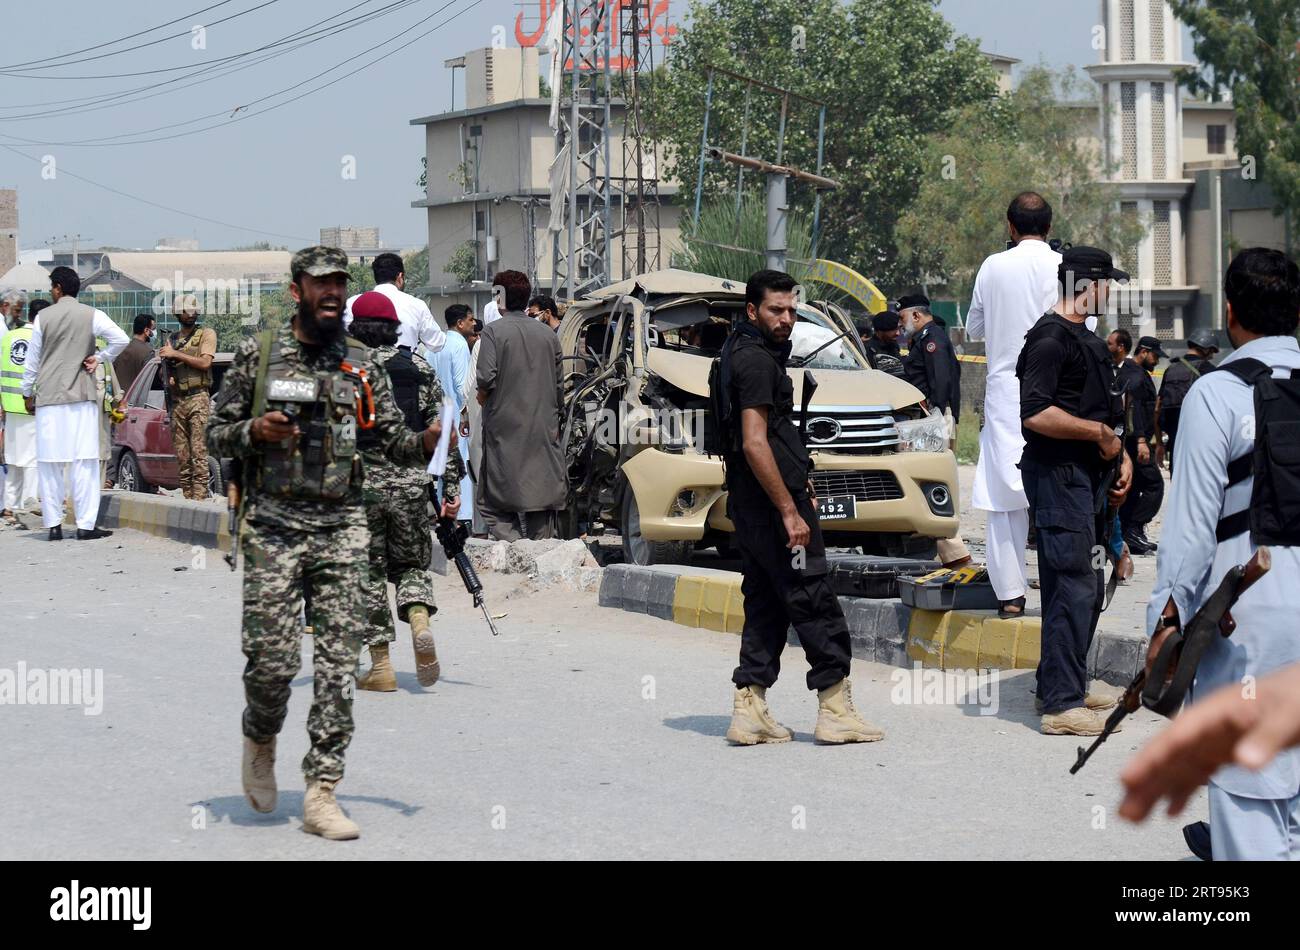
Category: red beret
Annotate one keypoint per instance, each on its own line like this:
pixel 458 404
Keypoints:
pixel 374 305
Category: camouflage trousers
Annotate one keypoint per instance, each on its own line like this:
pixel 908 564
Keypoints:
pixel 189 422
pixel 280 564
pixel 401 546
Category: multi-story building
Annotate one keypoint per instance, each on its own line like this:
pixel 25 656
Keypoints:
pixel 1173 160
pixel 487 199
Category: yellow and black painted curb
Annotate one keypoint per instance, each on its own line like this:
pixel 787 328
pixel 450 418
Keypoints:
pixel 883 631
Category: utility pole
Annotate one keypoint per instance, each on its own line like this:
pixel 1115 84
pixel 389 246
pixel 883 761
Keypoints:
pixel 777 207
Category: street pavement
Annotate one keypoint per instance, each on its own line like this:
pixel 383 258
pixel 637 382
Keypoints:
pixel 580 732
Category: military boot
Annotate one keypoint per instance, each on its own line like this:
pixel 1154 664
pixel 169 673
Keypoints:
pixel 837 719
pixel 751 723
pixel 259 774
pixel 1080 721
pixel 427 667
pixel 1090 701
pixel 380 677
pixel 321 814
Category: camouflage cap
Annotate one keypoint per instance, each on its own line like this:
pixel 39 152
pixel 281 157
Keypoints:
pixel 319 261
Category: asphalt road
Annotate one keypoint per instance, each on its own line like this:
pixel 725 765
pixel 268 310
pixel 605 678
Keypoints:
pixel 580 732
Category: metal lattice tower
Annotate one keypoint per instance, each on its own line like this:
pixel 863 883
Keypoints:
pixel 581 253
pixel 638 187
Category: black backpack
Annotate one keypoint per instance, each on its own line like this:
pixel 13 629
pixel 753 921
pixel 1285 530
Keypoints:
pixel 721 435
pixel 1274 513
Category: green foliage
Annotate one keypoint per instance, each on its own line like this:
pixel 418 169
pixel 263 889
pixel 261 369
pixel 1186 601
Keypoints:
pixel 417 269
pixel 423 180
pixel 463 263
pixel 715 246
pixel 1251 48
pixel 890 71
pixel 1029 140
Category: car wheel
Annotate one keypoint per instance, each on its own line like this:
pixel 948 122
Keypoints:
pixel 639 550
pixel 128 475
pixel 216 485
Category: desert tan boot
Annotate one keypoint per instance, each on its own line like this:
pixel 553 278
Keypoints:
pixel 427 667
pixel 1091 701
pixel 1080 721
pixel 837 719
pixel 751 722
pixel 380 677
pixel 321 814
pixel 259 774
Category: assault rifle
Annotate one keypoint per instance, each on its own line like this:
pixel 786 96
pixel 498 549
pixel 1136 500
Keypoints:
pixel 1175 664
pixel 451 535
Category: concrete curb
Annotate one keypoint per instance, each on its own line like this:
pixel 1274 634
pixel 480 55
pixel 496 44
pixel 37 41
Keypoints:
pixel 177 519
pixel 884 631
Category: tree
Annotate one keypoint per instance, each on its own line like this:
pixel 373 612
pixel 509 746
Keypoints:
pixel 890 72
pixel 1251 48
pixel 1028 140
pixel 724 246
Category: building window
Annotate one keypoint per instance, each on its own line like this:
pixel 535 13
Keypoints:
pixel 1157 29
pixel 1129 212
pixel 1126 46
pixel 1216 139
pixel 1128 128
pixel 480 222
pixel 1164 323
pixel 1158 166
pixel 1162 234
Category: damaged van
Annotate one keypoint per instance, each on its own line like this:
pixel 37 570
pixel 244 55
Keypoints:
pixel 637 356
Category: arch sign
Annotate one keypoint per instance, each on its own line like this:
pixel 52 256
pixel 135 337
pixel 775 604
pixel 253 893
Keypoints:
pixel 849 281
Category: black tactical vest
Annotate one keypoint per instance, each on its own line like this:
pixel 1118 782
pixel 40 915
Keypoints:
pixel 1102 399
pixel 322 461
pixel 405 380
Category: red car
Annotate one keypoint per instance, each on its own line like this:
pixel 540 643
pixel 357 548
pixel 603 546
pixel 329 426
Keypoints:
pixel 142 442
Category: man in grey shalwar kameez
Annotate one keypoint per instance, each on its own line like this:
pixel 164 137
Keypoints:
pixel 521 477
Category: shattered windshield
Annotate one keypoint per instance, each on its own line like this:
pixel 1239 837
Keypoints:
pixel 814 329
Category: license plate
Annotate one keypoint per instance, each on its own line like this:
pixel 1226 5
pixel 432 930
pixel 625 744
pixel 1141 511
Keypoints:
pixel 836 508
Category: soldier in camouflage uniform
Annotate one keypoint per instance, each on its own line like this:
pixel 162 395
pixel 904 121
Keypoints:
pixel 396 500
pixel 290 408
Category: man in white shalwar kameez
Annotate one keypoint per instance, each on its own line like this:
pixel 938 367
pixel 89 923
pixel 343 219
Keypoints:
pixel 1012 290
pixel 59 380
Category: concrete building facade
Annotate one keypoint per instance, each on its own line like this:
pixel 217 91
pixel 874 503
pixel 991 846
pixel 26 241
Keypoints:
pixel 8 229
pixel 488 186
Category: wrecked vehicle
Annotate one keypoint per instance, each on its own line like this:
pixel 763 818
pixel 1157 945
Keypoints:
pixel 636 366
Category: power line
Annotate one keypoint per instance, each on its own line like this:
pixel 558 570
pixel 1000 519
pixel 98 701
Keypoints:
pixel 153 204
pixel 105 142
pixel 233 16
pixel 120 39
pixel 299 39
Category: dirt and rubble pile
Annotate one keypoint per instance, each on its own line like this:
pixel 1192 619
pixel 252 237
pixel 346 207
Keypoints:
pixel 545 563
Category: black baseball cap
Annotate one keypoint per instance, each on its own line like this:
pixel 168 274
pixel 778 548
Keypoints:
pixel 1152 344
pixel 1090 263
pixel 885 321
pixel 913 300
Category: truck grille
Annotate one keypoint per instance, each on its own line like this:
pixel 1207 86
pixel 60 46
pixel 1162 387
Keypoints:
pixel 864 486
pixel 855 430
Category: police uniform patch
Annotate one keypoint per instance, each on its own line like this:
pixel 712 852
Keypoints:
pixel 18 352
pixel 931 346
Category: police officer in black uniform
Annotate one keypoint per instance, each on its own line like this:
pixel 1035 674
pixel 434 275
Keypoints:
pixel 931 362
pixel 883 349
pixel 1070 406
pixel 1140 424
pixel 1178 378
pixel 771 504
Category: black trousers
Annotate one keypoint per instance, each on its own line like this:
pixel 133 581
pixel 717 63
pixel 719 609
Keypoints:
pixel 1145 497
pixel 783 588
pixel 1070 574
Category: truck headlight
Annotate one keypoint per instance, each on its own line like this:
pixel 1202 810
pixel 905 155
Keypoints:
pixel 929 434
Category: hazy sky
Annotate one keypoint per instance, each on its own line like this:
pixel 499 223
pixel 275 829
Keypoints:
pixel 278 176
